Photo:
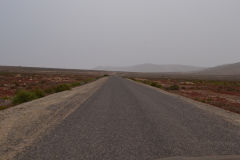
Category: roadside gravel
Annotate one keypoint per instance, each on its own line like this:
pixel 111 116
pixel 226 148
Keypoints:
pixel 229 116
pixel 21 125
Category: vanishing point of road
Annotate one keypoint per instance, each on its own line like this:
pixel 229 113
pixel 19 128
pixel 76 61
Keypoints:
pixel 124 120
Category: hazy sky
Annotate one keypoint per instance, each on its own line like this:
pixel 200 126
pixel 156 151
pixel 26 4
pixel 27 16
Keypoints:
pixel 89 33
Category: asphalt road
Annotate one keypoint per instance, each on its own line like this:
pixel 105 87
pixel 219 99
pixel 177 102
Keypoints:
pixel 127 121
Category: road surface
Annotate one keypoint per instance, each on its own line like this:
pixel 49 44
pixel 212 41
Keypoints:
pixel 124 120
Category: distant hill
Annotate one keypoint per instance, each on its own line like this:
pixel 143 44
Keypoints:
pixel 21 69
pixel 152 68
pixel 227 69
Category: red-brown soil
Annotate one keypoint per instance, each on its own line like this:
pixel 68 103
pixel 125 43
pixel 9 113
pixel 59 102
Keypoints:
pixel 223 94
pixel 10 82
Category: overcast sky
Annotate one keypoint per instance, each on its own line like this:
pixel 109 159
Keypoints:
pixel 90 33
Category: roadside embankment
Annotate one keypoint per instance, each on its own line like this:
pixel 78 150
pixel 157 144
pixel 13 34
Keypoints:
pixel 21 125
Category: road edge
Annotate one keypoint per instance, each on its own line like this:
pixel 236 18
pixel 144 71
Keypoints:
pixel 25 124
pixel 229 116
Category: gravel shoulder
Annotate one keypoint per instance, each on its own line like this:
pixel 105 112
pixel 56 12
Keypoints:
pixel 21 125
pixel 126 121
pixel 231 117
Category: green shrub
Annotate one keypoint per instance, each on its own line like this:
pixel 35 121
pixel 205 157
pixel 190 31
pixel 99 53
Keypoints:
pixel 209 99
pixel 16 84
pixel 3 107
pixel 105 75
pixel 5 97
pixel 39 93
pixel 62 87
pixel 173 87
pixel 197 99
pixel 155 84
pixel 88 80
pixel 75 84
pixel 49 90
pixel 23 96
pixel 147 82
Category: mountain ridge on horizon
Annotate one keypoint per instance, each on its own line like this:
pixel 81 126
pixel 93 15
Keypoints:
pixel 148 67
pixel 225 69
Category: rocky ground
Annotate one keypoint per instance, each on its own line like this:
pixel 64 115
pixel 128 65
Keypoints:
pixel 11 82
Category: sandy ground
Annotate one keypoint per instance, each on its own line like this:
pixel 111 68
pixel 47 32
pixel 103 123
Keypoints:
pixel 24 124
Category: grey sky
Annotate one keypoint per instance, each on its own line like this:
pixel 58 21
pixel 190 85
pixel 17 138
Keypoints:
pixel 89 33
